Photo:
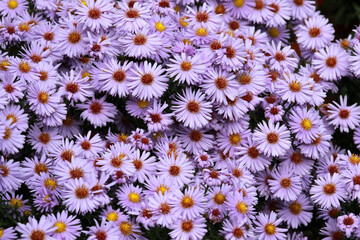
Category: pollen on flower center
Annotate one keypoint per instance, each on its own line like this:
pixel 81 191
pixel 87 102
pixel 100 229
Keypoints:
pixel 348 221
pixel 50 183
pixel 186 66
pixel 101 235
pixel 356 180
pixel 239 3
pixel 296 158
pixel 138 164
pixel 43 97
pixel 49 36
pixel 85 145
pixel 253 152
pixel 187 202
pixel 142 103
pixel 329 189
pixel 298 2
pixel 125 228
pixel 96 107
pixel 295 86
pixel 333 169
pixel 66 155
pixel 134 197
pixel 155 118
pixel 117 161
pixel 244 79
pixel 233 25
pixel 220 9
pixel 237 172
pixel 160 27
pixel 74 37
pixel 164 4
pixel 147 79
pixel 274 7
pixel 241 207
pixel 235 139
pixel 162 188
pixel 237 232
pixel 7 134
pixel 272 137
pixel 273 32
pixel 187 226
pixel 72 87
pixel 202 32
pixel 331 62
pixel 44 138
pixel 94 13
pixel 174 170
pixel 193 106
pixel 215 45
pixel 219 198
pixel 12 4
pixel 195 136
pixel 24 67
pixel 221 83
pixel 285 182
pixel 344 113
pixel 295 208
pixel 40 167
pixel 279 56
pixel 82 192
pixel 259 4
pixel 270 229
pixel 37 235
pixel 132 13
pixel 36 58
pixel 76 173
pixel 230 52
pixel 61 227
pixel 202 16
pixel 113 216
pixel 314 31
pixel 354 159
pixel 5 170
pixel 139 39
pixel 165 208
pixel 306 124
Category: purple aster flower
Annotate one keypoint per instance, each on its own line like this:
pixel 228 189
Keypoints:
pixel 273 139
pixel 192 109
pixel 35 229
pixel 267 227
pixel 316 33
pixel 347 117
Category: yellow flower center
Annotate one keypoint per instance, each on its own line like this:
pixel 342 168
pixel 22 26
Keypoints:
pixel 46 198
pixel 27 213
pixel 113 216
pixel 61 227
pixel 142 104
pixel 273 32
pixel 86 74
pixel 162 188
pixel 16 203
pixel 134 197
pixel 177 8
pixel 50 183
pixel 12 4
pixel 182 22
pixel 43 97
pixel 234 139
pixel 1 232
pixel 84 2
pixel 12 117
pixel 306 124
pixel 270 229
pixel 4 64
pixel 202 32
pixel 354 159
pixel 125 228
pixel 241 207
pixel 160 27
pixel 219 198
pixel 239 3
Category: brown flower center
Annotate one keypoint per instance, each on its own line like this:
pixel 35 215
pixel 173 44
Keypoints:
pixel 82 192
pixel 94 13
pixel 329 189
pixel 76 173
pixel 272 137
pixel 285 182
pixel 37 235
pixel 230 52
pixel 344 113
pixel 96 107
pixel 174 170
pixel 202 16
pixel 119 75
pixel 132 13
pixel 72 87
pixel 195 136
pixel 74 37
pixel 193 107
pixel 49 36
pixel 187 226
pixel 147 79
pixel 331 62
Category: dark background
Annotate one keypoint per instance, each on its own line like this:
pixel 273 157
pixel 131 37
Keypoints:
pixel 344 14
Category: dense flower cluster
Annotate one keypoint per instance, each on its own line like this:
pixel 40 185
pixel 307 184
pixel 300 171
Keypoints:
pixel 177 115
